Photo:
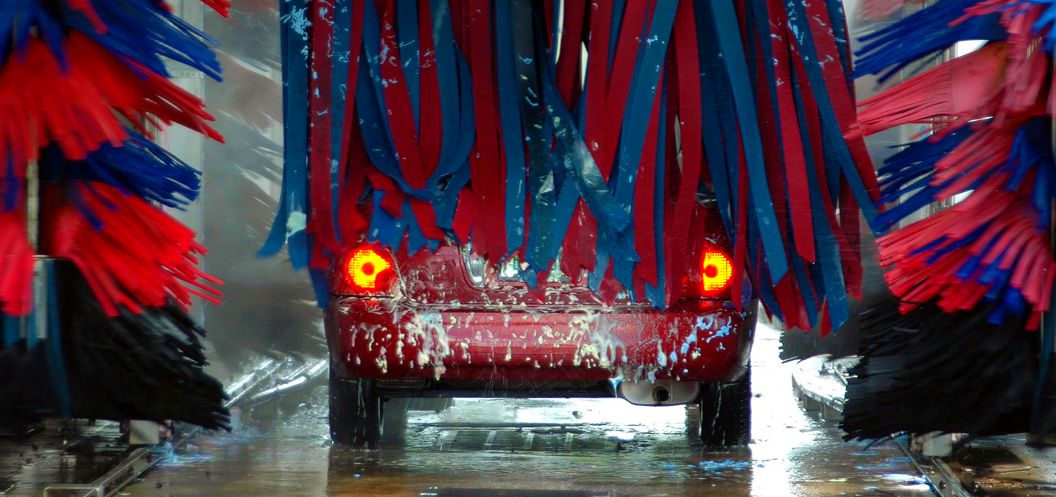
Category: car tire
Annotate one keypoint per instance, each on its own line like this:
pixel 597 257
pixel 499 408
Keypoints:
pixel 723 416
pixel 355 412
pixel 396 410
pixel 394 421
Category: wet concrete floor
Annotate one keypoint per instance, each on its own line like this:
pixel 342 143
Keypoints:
pixel 1006 467
pixel 57 453
pixel 494 447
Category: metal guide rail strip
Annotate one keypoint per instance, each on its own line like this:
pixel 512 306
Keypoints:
pixel 942 480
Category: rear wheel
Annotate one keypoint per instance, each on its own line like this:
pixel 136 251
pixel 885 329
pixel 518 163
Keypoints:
pixel 394 421
pixel 723 413
pixel 395 411
pixel 355 412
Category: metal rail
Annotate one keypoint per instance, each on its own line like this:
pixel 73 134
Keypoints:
pixel 949 484
pixel 942 480
pixel 300 377
pixel 108 485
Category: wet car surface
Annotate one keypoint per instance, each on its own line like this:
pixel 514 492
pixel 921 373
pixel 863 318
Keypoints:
pixel 545 447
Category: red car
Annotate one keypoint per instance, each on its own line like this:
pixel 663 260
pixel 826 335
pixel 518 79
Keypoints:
pixel 445 324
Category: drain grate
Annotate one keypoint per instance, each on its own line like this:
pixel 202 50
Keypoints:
pixel 510 440
pixel 511 437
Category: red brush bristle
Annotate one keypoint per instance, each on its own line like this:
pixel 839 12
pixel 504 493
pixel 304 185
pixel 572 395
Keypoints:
pixel 78 112
pixel 917 275
pixel 16 265
pixel 140 257
pixel 965 88
pixel 222 7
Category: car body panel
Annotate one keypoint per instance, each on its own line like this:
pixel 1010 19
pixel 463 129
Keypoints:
pixel 440 323
pixel 700 341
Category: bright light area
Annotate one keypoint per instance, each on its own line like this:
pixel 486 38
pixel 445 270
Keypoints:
pixel 967 47
pixel 365 266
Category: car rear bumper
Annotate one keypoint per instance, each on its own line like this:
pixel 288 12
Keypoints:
pixel 700 341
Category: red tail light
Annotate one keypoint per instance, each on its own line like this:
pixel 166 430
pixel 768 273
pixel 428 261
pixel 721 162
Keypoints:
pixel 367 270
pixel 716 271
pixel 713 275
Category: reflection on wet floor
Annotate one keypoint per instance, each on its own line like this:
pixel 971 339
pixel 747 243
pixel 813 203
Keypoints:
pixel 57 453
pixel 580 447
pixel 491 492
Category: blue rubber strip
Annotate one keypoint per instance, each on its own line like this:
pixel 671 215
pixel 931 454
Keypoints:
pixel 734 57
pixel 291 218
pixel 12 333
pixel 511 121
pixel 370 102
pixel 455 99
pixel 636 119
pixel 715 95
pixel 55 358
pixel 407 34
pixel 585 171
pixel 31 19
pixel 830 285
pixel 529 36
pixel 657 294
pixel 836 151
pixel 445 205
pixel 384 227
pixel 341 59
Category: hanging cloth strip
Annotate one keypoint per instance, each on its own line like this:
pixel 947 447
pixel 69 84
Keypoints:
pixel 530 54
pixel 638 128
pixel 578 250
pixel 507 67
pixel 468 121
pixel 686 88
pixel 291 217
pixel 320 226
pixel 402 157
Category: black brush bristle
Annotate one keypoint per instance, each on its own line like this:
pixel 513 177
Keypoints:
pixel 147 366
pixel 931 371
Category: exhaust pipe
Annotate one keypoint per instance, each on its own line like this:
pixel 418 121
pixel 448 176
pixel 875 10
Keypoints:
pixel 661 394
pixel 658 393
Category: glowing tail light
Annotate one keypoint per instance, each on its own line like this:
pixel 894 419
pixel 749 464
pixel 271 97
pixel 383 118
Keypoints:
pixel 716 271
pixel 368 271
